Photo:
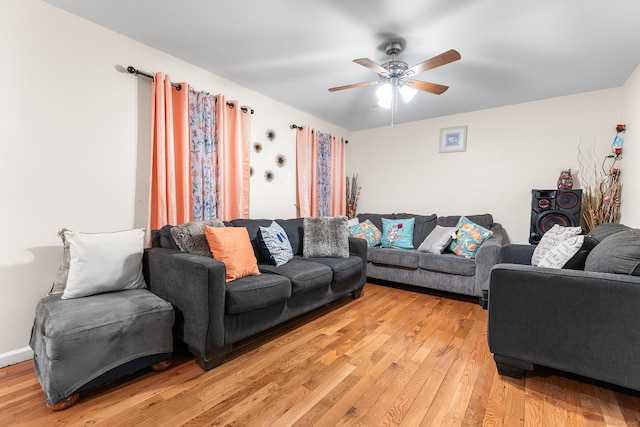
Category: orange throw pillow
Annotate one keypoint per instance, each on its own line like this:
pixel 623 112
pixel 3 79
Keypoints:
pixel 231 245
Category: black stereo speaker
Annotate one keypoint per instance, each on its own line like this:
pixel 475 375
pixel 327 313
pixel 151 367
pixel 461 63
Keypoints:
pixel 551 207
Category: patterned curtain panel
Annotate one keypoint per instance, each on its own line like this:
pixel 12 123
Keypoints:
pixel 204 155
pixel 321 181
pixel 324 174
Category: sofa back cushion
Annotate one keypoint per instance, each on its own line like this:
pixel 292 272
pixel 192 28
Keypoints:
pixel 618 253
pixel 376 219
pixel 484 220
pixel 423 226
pixel 252 226
pixel 295 232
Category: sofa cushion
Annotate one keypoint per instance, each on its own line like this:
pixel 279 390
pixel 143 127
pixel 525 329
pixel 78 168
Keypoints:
pixel 394 257
pixel 618 253
pixel 552 238
pixel 423 226
pixel 274 244
pixel 437 240
pixel 231 246
pixel 342 268
pixel 368 231
pixel 397 233
pixel 562 253
pixel 103 262
pixel 447 263
pixel 577 261
pixel 376 219
pixel 484 220
pixel 595 236
pixel 469 238
pixel 303 274
pixel 252 226
pixel 325 237
pixel 294 229
pixel 189 237
pixel 253 292
pixel 602 231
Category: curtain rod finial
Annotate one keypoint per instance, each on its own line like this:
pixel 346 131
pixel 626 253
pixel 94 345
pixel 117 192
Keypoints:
pixel 131 70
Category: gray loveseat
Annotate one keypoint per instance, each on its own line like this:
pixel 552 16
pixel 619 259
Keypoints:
pixel 447 271
pixel 583 319
pixel 212 314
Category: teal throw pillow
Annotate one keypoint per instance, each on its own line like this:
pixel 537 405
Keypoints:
pixel 397 233
pixel 274 244
pixel 469 238
pixel 367 231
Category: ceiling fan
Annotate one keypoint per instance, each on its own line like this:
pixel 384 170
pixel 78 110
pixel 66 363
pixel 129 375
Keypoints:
pixel 398 75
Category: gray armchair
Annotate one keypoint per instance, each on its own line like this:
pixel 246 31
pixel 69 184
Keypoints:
pixel 583 322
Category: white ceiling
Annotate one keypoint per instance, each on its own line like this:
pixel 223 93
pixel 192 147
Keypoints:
pixel 512 51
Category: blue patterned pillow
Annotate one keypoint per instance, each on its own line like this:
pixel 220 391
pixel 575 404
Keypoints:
pixel 274 244
pixel 469 238
pixel 367 231
pixel 397 233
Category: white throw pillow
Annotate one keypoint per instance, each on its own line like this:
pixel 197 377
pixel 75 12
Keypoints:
pixel 104 262
pixel 561 253
pixel 438 239
pixel 551 239
pixel 353 221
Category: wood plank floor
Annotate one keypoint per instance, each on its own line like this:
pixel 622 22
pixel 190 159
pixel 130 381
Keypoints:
pixel 392 357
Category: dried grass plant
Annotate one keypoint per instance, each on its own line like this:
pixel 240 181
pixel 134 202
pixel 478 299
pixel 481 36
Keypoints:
pixel 601 194
pixel 353 194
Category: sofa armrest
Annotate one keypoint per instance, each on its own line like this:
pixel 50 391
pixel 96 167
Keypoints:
pixel 195 286
pixel 576 321
pixel 359 247
pixel 487 256
pixel 517 254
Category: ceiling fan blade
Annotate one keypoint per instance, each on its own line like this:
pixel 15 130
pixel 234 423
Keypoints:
pixel 366 62
pixel 427 87
pixel 333 89
pixel 437 61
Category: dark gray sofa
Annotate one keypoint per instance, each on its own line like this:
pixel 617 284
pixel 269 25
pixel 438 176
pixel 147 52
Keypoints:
pixel 582 319
pixel 447 271
pixel 212 315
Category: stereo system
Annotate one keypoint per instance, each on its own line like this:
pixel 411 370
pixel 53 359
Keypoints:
pixel 551 207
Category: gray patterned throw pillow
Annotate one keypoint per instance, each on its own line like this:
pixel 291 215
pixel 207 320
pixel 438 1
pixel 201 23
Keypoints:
pixel 190 236
pixel 325 237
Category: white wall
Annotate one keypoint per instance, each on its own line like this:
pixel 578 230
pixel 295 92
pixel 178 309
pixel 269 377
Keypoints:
pixel 630 209
pixel 74 132
pixel 510 150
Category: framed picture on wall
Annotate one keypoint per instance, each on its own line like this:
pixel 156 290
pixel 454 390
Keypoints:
pixel 453 139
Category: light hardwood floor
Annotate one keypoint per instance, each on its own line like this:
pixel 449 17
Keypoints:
pixel 392 357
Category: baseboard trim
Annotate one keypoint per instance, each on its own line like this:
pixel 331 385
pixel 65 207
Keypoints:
pixel 15 356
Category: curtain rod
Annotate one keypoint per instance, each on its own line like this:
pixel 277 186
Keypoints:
pixel 133 70
pixel 295 126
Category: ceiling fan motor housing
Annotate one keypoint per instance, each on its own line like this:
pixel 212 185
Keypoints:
pixel 393 48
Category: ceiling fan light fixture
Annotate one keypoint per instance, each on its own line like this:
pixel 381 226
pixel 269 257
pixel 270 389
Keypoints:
pixel 407 93
pixel 384 95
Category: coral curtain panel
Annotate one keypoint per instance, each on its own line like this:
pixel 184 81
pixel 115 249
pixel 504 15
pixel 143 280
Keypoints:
pixel 233 135
pixel 170 187
pixel 307 171
pixel 204 155
pixel 338 177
